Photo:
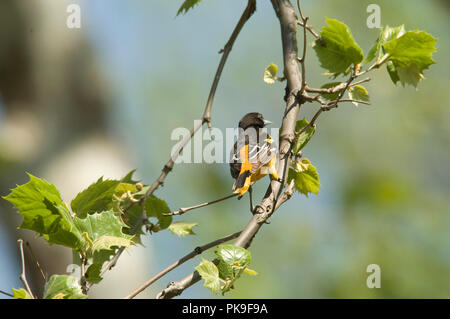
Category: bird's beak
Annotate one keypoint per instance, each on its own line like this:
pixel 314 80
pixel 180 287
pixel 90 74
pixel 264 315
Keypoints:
pixel 266 122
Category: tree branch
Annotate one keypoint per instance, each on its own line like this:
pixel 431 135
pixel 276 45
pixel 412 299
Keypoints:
pixel 334 89
pixel 6 294
pixel 288 22
pixel 192 254
pixel 304 21
pixel 181 211
pixel 23 276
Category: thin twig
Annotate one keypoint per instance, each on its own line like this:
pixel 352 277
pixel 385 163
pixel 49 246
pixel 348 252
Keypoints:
pixel 336 88
pixel 304 21
pixel 310 29
pixel 376 65
pixel 287 194
pixel 354 101
pixel 181 211
pixel 7 294
pixel 192 254
pixel 23 276
pixel 302 62
pixel 35 260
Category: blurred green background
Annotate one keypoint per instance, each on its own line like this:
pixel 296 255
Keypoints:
pixel 102 100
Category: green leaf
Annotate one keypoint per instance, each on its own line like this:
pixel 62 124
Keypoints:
pixel 304 137
pixel 129 178
pixel 233 255
pixel 233 261
pixel 44 212
pixel 106 242
pixel 63 287
pixel 386 34
pixel 392 70
pixel 133 216
pixel 305 176
pixel 187 5
pixel 182 229
pixel 412 48
pixel 409 55
pixel 336 49
pixel 270 73
pixel 373 52
pixel 93 273
pixel 411 75
pixel 210 274
pixel 123 188
pixel 390 33
pixel 359 93
pixel 96 260
pixel 156 207
pixel 331 96
pixel 225 270
pixel 96 198
pixel 21 294
pixel 103 233
pixel 104 230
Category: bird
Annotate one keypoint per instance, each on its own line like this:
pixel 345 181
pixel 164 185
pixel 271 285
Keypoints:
pixel 254 154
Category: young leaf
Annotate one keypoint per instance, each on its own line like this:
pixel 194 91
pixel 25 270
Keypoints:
pixel 182 229
pixel 412 48
pixel 96 198
pixel 44 212
pixel 336 49
pixel 233 261
pixel 304 137
pixel 63 287
pixel 392 70
pixel 210 274
pixel 225 270
pixel 123 188
pixel 411 75
pixel 409 55
pixel 187 5
pixel 391 33
pixel 359 93
pixel 373 52
pixel 93 273
pixel 104 230
pixel 270 73
pixel 133 216
pixel 156 207
pixel 106 242
pixel 386 34
pixel 129 178
pixel 305 176
pixel 331 96
pixel 233 255
pixel 97 259
pixel 21 294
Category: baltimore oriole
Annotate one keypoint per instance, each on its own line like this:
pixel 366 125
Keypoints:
pixel 254 155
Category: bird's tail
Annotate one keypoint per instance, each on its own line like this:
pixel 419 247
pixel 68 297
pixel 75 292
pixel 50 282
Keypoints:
pixel 242 183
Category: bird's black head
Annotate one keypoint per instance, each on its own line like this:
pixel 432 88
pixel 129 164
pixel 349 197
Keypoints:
pixel 253 119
